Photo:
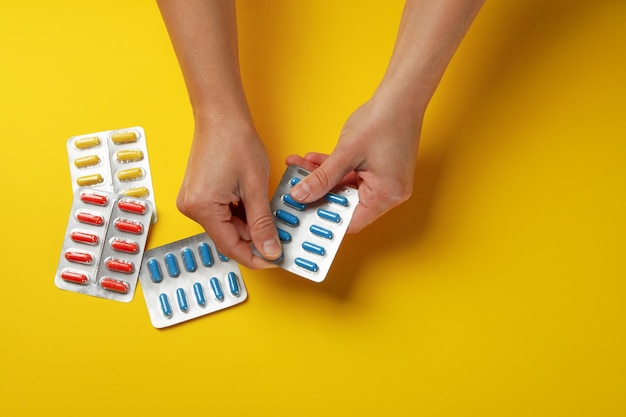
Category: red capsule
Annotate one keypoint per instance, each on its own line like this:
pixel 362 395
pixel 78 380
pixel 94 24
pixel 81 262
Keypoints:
pixel 120 265
pixel 132 206
pixel 90 218
pixel 115 285
pixel 94 198
pixel 122 245
pixel 75 277
pixel 129 226
pixel 79 257
pixel 84 237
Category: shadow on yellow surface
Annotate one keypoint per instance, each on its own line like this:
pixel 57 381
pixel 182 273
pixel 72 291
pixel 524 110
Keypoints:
pixel 497 290
pixel 528 33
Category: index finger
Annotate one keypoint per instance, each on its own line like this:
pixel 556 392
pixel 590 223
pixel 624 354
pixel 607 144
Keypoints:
pixel 231 238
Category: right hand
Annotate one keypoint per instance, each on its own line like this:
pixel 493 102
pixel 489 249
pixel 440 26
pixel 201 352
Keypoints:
pixel 225 189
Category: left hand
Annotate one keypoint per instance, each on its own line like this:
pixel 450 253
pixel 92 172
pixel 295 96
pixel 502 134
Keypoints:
pixel 376 153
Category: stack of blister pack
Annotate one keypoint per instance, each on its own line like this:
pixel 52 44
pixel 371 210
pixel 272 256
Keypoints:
pixel 104 250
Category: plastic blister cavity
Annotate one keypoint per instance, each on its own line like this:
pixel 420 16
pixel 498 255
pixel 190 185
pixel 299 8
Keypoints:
pixel 112 160
pixel 310 233
pixel 189 278
pixel 104 244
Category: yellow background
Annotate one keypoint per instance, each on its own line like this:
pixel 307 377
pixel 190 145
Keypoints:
pixel 497 290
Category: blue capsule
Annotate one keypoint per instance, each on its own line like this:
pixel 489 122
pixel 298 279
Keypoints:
pixel 288 200
pixel 233 284
pixel 165 305
pixel 171 264
pixel 293 181
pixel 313 248
pixel 328 215
pixel 189 260
pixel 154 269
pixel 321 232
pixel 205 254
pixel 217 289
pixel 199 293
pixel 223 258
pixel 283 235
pixel 287 218
pixel 182 300
pixel 336 199
pixel 306 264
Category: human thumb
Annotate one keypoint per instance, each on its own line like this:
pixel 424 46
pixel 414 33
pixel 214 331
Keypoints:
pixel 319 182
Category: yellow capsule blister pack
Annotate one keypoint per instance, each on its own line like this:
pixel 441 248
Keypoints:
pixel 112 160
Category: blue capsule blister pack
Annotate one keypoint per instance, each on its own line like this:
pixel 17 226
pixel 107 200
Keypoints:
pixel 112 160
pixel 187 279
pixel 104 243
pixel 310 233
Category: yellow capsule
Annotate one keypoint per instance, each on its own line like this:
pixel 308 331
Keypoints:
pixel 89 180
pixel 86 161
pixel 137 192
pixel 124 137
pixel 85 143
pixel 129 155
pixel 130 174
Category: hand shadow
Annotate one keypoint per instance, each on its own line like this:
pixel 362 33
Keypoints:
pixel 508 56
pixel 532 26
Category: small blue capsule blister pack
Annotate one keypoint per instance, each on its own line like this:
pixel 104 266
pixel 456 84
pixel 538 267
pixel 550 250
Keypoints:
pixel 310 233
pixel 187 279
pixel 112 160
pixel 104 243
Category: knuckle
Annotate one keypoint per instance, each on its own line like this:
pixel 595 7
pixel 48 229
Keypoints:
pixel 262 224
pixel 392 193
pixel 188 203
pixel 181 204
pixel 194 204
pixel 320 179
pixel 400 196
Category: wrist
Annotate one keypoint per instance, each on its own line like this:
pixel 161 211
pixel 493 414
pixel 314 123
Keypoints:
pixel 222 128
pixel 399 99
pixel 227 117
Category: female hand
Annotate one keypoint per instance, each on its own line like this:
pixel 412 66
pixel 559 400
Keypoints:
pixel 376 153
pixel 225 190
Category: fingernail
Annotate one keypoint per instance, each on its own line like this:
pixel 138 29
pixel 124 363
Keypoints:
pixel 271 249
pixel 301 192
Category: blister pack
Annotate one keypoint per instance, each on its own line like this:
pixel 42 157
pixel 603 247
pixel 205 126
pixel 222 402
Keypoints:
pixel 187 279
pixel 310 233
pixel 104 244
pixel 112 160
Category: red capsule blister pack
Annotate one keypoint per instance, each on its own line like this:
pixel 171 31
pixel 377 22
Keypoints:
pixel 112 160
pixel 104 244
